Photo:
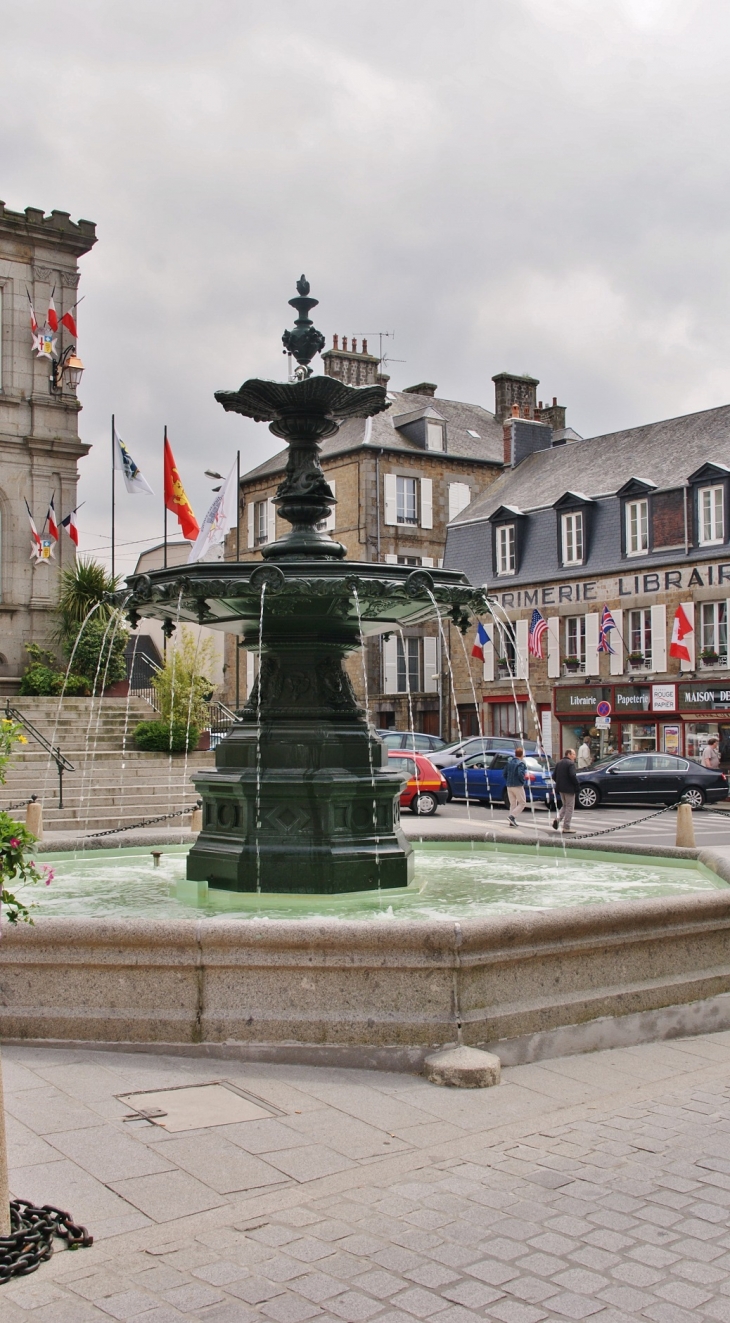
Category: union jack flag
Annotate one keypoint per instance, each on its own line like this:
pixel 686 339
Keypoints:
pixel 607 624
pixel 538 626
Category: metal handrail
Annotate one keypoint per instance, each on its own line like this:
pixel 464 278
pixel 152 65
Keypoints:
pixel 62 763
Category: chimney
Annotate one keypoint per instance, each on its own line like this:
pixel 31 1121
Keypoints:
pixel 554 414
pixel 523 436
pixel 349 366
pixel 511 390
pixel 423 388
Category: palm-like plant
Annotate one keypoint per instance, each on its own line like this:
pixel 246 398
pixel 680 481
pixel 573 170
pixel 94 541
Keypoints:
pixel 85 585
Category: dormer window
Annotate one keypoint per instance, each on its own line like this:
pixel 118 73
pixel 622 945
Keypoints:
pixel 506 549
pixel 434 435
pixel 637 527
pixel 711 509
pixel 572 537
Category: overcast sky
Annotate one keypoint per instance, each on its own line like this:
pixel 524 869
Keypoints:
pixel 540 186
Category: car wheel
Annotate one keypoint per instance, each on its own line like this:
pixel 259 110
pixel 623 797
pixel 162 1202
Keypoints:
pixel 588 797
pixel 449 794
pixel 424 804
pixel 693 796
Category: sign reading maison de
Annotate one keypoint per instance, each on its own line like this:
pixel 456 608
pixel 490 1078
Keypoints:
pixel 623 585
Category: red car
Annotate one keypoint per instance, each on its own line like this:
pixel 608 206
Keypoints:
pixel 426 788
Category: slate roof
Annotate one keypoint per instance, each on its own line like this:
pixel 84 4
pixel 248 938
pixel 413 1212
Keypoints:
pixel 664 453
pixel 379 433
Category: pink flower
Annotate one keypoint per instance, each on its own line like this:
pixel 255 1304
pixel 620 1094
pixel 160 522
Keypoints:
pixel 49 876
pixel 13 842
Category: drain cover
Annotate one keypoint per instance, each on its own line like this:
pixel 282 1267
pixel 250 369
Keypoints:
pixel 196 1106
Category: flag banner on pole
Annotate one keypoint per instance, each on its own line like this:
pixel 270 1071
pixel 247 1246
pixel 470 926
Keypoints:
pixel 134 479
pixel 33 318
pixel 480 639
pixel 34 533
pixel 607 624
pixel 69 322
pixel 52 317
pixel 219 520
pixel 71 526
pixel 176 500
pixel 538 626
pixel 680 630
pixel 51 520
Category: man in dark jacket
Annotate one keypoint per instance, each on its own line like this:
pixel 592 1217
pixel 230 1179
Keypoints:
pixel 565 778
pixel 515 775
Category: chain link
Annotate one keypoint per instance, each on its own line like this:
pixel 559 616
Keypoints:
pixel 588 835
pixel 30 1242
pixel 146 822
pixel 23 803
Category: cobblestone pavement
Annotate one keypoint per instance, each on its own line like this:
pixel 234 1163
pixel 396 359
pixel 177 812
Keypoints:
pixel 710 827
pixel 588 1187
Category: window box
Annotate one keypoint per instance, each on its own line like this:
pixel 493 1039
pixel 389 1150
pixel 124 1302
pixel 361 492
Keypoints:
pixel 503 669
pixel 573 664
pixel 709 657
pixel 636 659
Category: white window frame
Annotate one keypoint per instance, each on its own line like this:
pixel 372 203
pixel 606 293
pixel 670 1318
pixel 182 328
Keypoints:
pixel 327 525
pixel 572 537
pixel 409 663
pixel 434 435
pixel 403 501
pixel 711 512
pixel 576 625
pixel 506 545
pixel 713 621
pixel 459 498
pixel 640 622
pixel 637 527
pixel 261 522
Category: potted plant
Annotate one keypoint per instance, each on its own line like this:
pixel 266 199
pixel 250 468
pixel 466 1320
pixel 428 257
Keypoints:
pixel 502 668
pixel 636 658
pixel 572 664
pixel 709 657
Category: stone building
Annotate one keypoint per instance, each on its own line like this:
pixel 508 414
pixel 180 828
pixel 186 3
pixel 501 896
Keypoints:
pixel 39 437
pixel 637 521
pixel 399 479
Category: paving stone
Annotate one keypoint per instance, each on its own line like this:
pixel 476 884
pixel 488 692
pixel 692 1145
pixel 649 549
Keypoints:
pixel 574 1306
pixel 353 1306
pixel 290 1308
pixel 513 1311
pixel 472 1294
pixel 419 1302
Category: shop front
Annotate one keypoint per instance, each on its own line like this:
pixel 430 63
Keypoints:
pixel 644 718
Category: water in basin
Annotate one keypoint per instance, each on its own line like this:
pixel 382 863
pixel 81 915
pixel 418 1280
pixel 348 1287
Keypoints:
pixel 455 880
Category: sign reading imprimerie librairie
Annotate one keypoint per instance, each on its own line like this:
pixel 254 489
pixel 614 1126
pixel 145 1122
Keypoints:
pixel 715 575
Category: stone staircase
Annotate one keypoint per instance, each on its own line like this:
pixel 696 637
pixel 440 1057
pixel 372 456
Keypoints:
pixel 113 784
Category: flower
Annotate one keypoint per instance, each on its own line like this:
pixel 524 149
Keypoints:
pixel 49 876
pixel 13 842
pixel 22 739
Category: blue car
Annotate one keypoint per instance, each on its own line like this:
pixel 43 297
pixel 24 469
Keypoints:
pixel 483 777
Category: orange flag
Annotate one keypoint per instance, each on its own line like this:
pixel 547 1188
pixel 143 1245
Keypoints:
pixel 175 499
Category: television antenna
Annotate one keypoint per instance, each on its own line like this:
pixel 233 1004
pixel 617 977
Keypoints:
pixel 382 335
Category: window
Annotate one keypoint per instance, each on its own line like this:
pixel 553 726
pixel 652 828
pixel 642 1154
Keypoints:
pixel 573 538
pixel 476 435
pixel 575 638
pixel 508 719
pixel 434 436
pixel 711 512
pixel 713 628
pixel 261 522
pixel 506 549
pixel 409 665
pixel 407 500
pixel 639 639
pixel 637 528
pixel 408 560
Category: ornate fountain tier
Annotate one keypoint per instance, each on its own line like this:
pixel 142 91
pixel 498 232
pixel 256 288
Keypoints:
pixel 303 798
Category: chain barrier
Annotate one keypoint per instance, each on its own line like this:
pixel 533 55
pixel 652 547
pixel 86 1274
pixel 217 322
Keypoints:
pixel 146 822
pixel 588 835
pixel 30 1242
pixel 23 803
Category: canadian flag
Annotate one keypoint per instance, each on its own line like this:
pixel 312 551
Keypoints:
pixel 680 630
pixel 52 315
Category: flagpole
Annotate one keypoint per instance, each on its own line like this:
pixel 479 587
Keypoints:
pixel 113 496
pixel 238 557
pixel 164 498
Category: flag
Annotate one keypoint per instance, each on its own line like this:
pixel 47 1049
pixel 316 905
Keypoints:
pixel 51 520
pixel 71 526
pixel 219 520
pixel 134 478
pixel 607 624
pixel 68 321
pixel 538 626
pixel 480 639
pixel 52 317
pixel 36 548
pixel 680 631
pixel 175 498
pixel 33 318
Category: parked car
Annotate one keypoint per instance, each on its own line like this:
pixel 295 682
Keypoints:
pixel 426 787
pixel 414 740
pixel 650 778
pixel 451 754
pixel 482 775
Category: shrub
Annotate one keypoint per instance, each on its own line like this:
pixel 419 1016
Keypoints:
pixel 45 676
pixel 154 737
pixel 15 838
pixel 182 689
pixel 99 654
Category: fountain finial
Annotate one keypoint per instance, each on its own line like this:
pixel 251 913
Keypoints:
pixel 305 340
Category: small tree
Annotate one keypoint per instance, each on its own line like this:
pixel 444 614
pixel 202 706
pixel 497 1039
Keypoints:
pixel 87 584
pixel 181 684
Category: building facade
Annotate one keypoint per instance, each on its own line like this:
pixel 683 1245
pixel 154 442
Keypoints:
pixel 398 479
pixel 637 522
pixel 39 438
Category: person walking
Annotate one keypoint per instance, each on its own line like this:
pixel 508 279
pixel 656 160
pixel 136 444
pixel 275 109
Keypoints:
pixel 585 754
pixel 710 754
pixel 565 779
pixel 515 775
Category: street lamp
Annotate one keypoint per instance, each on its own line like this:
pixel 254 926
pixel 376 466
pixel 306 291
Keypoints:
pixel 66 370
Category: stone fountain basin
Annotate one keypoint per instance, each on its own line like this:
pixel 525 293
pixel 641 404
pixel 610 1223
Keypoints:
pixel 365 993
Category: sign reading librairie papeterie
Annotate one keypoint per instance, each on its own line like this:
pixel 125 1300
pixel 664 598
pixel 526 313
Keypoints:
pixel 581 701
pixel 697 696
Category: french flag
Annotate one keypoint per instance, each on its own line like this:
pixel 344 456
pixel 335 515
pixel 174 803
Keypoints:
pixel 72 528
pixel 51 520
pixel 481 638
pixel 52 316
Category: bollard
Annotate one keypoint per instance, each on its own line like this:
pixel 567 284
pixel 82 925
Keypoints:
pixel 685 827
pixel 156 857
pixel 196 819
pixel 34 818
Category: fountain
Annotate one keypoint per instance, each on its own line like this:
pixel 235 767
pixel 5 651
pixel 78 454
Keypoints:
pixel 302 798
